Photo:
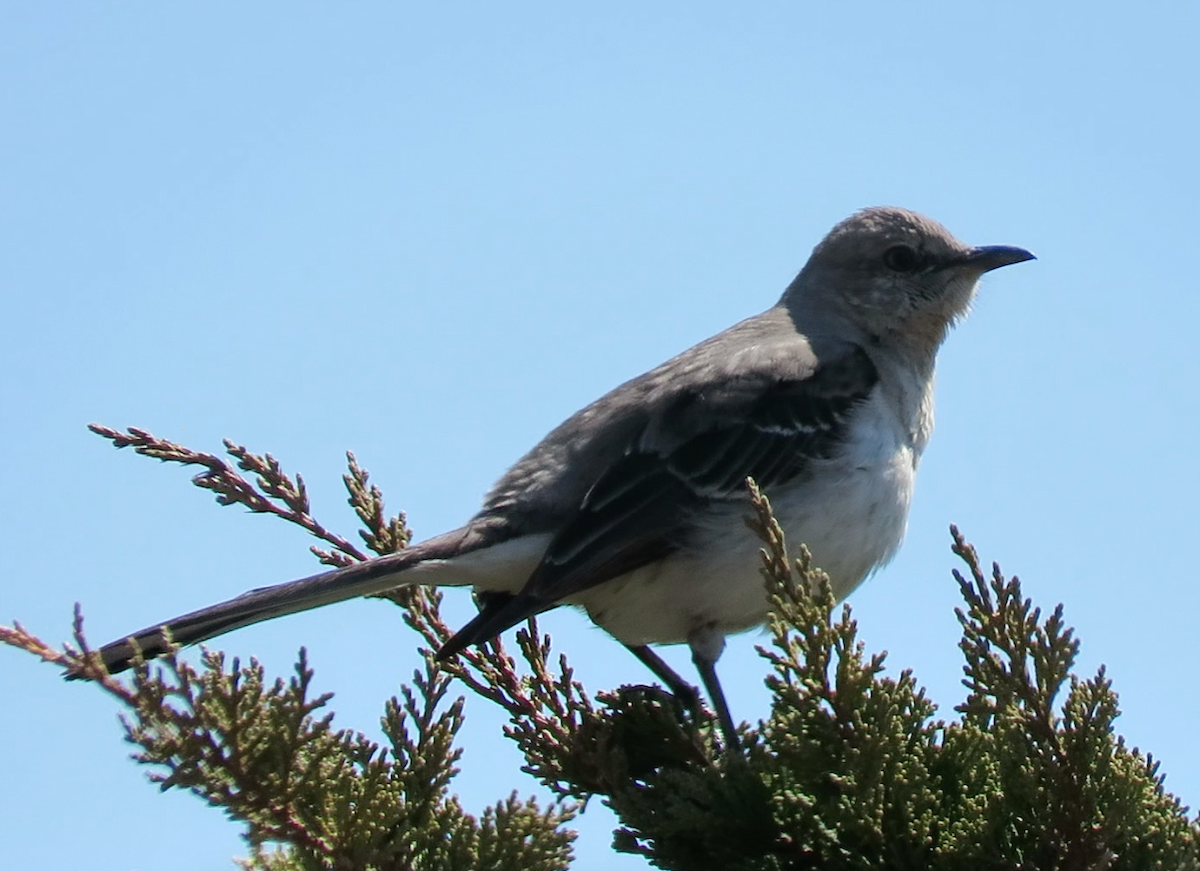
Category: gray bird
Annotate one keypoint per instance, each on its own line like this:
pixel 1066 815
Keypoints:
pixel 634 507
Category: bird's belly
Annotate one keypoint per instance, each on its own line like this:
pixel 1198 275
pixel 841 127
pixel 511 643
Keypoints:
pixel 852 524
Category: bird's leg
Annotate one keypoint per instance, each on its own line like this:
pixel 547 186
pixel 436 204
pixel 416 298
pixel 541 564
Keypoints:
pixel 708 674
pixel 706 644
pixel 687 694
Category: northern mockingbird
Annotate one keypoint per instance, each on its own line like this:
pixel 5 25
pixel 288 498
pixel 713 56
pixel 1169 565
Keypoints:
pixel 634 507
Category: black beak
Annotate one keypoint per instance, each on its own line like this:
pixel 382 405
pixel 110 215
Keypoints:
pixel 990 257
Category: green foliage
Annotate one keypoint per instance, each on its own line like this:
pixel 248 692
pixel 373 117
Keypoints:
pixel 851 770
pixel 260 753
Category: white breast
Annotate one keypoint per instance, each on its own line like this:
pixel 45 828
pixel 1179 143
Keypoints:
pixel 851 512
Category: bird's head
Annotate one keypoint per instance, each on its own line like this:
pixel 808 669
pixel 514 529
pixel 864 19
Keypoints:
pixel 895 275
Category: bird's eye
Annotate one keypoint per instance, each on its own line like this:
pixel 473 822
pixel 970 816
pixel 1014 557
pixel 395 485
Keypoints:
pixel 901 258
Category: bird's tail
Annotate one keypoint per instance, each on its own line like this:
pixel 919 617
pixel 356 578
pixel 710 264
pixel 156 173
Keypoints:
pixel 266 603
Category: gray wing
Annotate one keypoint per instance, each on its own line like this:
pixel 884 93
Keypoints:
pixel 697 450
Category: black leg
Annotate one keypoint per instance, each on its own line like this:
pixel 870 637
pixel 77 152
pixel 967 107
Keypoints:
pixel 707 643
pixel 681 689
pixel 706 647
pixel 708 674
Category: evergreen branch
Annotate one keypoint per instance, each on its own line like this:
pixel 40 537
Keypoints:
pixel 540 704
pixel 273 486
pixel 1078 788
pixel 850 771
pixel 382 534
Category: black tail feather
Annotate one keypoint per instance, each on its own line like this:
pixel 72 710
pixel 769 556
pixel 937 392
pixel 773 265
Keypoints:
pixel 361 579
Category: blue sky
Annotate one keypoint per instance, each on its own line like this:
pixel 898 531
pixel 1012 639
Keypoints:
pixel 429 233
